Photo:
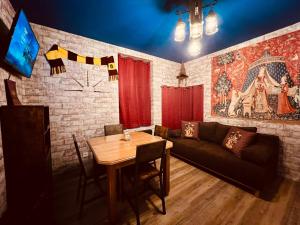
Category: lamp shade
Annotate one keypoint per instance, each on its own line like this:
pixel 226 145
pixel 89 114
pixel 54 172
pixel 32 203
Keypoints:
pixel 180 31
pixel 196 30
pixel 211 26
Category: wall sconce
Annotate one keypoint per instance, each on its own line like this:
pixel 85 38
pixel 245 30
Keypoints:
pixel 182 76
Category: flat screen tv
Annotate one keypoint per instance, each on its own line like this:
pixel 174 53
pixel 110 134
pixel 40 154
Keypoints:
pixel 23 46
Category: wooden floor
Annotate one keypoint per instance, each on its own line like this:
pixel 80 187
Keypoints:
pixel 196 198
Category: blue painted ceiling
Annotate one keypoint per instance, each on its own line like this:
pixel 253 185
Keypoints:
pixel 148 25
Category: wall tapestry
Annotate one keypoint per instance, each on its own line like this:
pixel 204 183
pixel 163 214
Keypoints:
pixel 261 81
pixel 55 55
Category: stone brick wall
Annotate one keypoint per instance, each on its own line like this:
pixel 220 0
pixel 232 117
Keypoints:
pixel 84 113
pixel 81 112
pixel 6 15
pixel 199 71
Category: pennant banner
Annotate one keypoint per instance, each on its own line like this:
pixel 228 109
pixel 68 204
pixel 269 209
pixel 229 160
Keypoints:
pixel 55 55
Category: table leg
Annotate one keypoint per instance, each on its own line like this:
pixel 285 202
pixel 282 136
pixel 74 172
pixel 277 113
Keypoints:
pixel 167 173
pixel 112 193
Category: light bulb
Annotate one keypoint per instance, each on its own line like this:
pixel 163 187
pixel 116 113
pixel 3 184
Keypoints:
pixel 180 31
pixel 196 30
pixel 211 26
pixel 194 47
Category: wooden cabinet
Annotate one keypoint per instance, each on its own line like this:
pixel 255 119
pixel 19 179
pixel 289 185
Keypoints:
pixel 27 159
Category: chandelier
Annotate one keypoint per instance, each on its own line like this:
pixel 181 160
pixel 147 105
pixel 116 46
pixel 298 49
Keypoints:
pixel 196 25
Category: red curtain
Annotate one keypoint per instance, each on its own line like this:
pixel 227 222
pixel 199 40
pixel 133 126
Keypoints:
pixel 197 105
pixel 171 107
pixel 181 103
pixel 134 92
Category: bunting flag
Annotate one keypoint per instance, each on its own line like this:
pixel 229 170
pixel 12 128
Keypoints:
pixel 55 55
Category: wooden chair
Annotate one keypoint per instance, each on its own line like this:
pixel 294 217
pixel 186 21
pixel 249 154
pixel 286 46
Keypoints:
pixel 143 171
pixel 148 131
pixel 113 129
pixel 161 131
pixel 90 174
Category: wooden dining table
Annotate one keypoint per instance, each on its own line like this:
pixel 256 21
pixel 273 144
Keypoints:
pixel 114 153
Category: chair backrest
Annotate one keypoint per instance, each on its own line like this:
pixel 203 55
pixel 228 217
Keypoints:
pixel 150 152
pixel 161 131
pixel 79 155
pixel 113 129
pixel 148 131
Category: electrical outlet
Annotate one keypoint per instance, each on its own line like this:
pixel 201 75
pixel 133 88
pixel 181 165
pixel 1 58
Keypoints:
pixel 85 154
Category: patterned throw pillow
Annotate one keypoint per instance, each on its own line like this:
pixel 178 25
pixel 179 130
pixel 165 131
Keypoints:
pixel 237 139
pixel 190 129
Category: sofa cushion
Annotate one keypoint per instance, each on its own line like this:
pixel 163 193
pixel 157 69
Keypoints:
pixel 207 130
pixel 213 157
pixel 263 150
pixel 174 133
pixel 222 130
pixel 190 129
pixel 192 149
pixel 237 139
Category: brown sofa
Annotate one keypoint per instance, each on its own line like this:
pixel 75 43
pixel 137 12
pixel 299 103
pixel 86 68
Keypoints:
pixel 254 170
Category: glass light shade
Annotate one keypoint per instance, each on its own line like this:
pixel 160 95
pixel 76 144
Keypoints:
pixel 211 26
pixel 180 31
pixel 196 30
pixel 194 47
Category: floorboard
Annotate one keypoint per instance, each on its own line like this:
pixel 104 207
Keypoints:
pixel 196 198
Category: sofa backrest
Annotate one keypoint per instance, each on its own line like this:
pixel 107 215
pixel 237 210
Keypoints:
pixel 263 150
pixel 216 132
pixel 207 131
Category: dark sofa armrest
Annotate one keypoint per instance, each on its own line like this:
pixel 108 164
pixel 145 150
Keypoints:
pixel 263 150
pixel 174 133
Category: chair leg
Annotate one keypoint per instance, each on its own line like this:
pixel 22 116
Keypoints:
pixel 162 193
pixel 120 183
pixel 122 187
pixel 137 211
pixel 82 198
pixel 79 186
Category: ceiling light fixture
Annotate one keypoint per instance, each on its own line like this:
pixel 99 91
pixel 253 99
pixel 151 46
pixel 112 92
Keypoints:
pixel 196 25
pixel 211 23
pixel 180 31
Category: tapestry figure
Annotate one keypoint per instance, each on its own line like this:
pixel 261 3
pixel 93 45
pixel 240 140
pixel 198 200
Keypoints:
pixel 284 106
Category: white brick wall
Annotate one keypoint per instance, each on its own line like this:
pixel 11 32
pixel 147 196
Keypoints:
pixel 84 113
pixel 199 71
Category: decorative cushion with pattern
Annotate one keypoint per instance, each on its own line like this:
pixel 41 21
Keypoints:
pixel 237 139
pixel 222 130
pixel 190 129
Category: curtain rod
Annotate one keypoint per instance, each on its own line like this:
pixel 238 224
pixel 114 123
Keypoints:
pixel 134 57
pixel 181 87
